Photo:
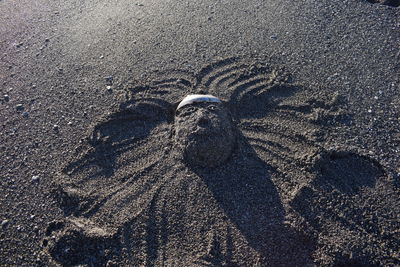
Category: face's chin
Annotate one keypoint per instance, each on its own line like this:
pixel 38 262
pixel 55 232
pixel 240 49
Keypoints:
pixel 208 150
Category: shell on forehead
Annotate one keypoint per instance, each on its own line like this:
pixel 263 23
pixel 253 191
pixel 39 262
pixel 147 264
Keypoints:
pixel 190 99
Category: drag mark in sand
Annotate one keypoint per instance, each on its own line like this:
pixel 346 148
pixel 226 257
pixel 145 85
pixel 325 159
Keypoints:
pixel 392 3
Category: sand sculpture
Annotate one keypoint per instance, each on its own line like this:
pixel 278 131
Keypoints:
pixel 204 131
pixel 224 177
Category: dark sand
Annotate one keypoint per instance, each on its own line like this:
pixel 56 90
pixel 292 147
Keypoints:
pixel 89 171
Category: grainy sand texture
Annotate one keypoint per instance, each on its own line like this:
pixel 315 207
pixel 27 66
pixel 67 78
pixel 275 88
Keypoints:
pixel 299 165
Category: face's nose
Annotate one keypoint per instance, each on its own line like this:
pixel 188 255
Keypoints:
pixel 203 119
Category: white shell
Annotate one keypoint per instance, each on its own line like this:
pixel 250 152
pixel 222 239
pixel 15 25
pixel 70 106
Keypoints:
pixel 190 99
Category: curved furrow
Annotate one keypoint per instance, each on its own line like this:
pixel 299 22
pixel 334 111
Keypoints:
pixel 152 224
pixel 139 89
pixel 139 157
pixel 292 122
pixel 285 124
pixel 221 73
pixel 272 158
pixel 107 189
pixel 222 83
pixel 244 79
pixel 294 138
pixel 287 176
pixel 288 143
pixel 278 148
pixel 130 200
pixel 250 91
pixel 161 90
pixel 242 86
pixel 212 68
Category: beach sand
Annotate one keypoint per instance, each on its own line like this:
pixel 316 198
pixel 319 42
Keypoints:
pixel 90 170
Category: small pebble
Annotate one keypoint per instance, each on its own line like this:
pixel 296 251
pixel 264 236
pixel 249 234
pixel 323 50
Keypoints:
pixel 101 57
pixel 19 107
pixel 4 223
pixel 25 114
pixel 109 79
pixel 56 128
pixel 47 40
pixel 6 98
pixel 70 123
pixel 35 178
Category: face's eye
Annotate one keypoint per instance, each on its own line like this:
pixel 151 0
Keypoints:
pixel 212 107
pixel 186 111
pixel 190 109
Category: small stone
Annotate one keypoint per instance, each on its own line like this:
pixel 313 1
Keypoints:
pixel 36 229
pixel 109 79
pixel 32 216
pixel 101 57
pixel 56 128
pixel 25 114
pixel 35 178
pixel 6 98
pixel 19 107
pixel 111 263
pixel 369 110
pixel 4 223
pixel 47 40
pixel 70 123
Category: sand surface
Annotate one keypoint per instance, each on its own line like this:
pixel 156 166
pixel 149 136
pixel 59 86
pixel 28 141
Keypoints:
pixel 90 172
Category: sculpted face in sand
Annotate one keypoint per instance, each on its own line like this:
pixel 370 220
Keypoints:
pixel 204 131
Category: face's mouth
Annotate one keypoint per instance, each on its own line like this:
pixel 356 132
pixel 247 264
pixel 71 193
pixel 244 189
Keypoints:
pixel 209 131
